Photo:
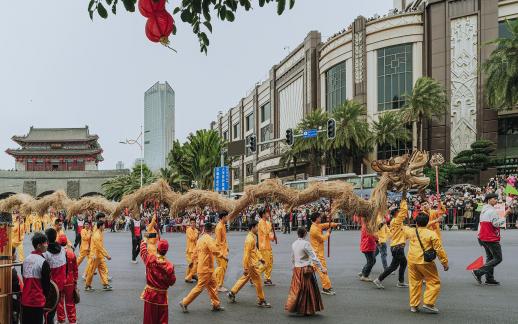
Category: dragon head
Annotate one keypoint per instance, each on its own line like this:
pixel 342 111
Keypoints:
pixel 404 172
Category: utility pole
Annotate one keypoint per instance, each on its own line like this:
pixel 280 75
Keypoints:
pixel 140 142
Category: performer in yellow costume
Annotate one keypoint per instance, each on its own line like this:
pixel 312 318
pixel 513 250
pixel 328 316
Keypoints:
pixel 421 271
pixel 97 255
pixel 18 231
pixel 265 236
pixel 191 237
pixel 207 250
pixel 251 272
pixel 222 259
pixel 317 239
pixel 86 236
pixel 435 217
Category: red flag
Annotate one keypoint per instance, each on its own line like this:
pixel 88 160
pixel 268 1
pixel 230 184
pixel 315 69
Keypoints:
pixel 477 264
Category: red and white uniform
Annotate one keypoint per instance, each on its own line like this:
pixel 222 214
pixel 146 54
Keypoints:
pixel 58 264
pixel 66 299
pixel 80 224
pixel 136 228
pixel 489 226
pixel 159 277
pixel 36 280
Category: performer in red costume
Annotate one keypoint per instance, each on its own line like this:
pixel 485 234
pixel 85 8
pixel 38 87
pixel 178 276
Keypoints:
pixel 159 277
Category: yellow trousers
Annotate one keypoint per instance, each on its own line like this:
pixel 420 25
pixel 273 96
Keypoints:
pixel 82 254
pixel 220 271
pixel 19 251
pixel 98 264
pixel 324 278
pixel 416 274
pixel 36 226
pixel 190 271
pixel 205 281
pixel 255 276
pixel 267 256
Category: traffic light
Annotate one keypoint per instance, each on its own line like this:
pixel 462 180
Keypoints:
pixel 253 143
pixel 331 128
pixel 289 136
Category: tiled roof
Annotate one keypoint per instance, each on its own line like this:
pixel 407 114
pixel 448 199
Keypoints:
pixel 26 152
pixel 56 135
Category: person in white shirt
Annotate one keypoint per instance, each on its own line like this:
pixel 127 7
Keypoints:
pixel 304 296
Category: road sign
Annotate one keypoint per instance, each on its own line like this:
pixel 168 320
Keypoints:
pixel 310 133
pixel 221 178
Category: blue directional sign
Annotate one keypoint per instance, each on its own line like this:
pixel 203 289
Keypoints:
pixel 221 178
pixel 309 133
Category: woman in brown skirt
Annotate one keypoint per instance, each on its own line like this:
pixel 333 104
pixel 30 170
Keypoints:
pixel 304 297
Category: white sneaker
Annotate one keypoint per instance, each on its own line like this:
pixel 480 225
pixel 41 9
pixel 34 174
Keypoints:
pixel 378 284
pixel 402 285
pixel 431 309
pixel 134 261
pixel 365 279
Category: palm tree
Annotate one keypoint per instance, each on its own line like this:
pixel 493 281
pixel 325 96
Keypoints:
pixel 202 154
pixel 501 69
pixel 428 98
pixel 314 147
pixel 177 181
pixel 119 186
pixel 353 136
pixel 390 129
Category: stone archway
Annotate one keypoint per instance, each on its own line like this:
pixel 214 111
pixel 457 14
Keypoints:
pixel 45 193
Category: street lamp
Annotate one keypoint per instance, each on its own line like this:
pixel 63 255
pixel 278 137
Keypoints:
pixel 138 141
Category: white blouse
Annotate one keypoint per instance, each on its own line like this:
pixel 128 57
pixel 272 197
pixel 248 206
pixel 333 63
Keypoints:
pixel 303 254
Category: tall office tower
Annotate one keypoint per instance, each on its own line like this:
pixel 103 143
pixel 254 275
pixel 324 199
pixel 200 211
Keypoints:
pixel 158 124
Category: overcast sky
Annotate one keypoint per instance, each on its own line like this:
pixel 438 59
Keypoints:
pixel 59 69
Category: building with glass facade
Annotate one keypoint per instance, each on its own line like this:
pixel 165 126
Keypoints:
pixel 375 61
pixel 158 124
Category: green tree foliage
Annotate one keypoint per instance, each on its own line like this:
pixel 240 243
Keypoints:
pixel 354 137
pixel 194 161
pixel 471 162
pixel 501 69
pixel 122 185
pixel 428 99
pixel 389 129
pixel 197 13
pixel 446 175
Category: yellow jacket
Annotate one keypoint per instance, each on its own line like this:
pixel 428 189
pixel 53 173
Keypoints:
pixel 18 232
pixel 45 220
pixel 383 234
pixel 152 230
pixel 436 214
pixel 221 239
pixel 396 232
pixel 86 235
pixel 207 250
pixel 317 237
pixel 191 236
pixel 251 256
pixel 265 235
pixel 428 237
pixel 97 245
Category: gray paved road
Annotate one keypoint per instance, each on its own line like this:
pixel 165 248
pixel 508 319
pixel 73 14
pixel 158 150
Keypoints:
pixel 461 300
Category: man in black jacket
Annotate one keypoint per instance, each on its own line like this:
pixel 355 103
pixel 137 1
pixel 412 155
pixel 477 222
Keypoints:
pixel 136 238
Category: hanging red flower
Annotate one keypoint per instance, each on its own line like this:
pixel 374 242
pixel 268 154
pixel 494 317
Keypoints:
pixel 160 27
pixel 148 8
